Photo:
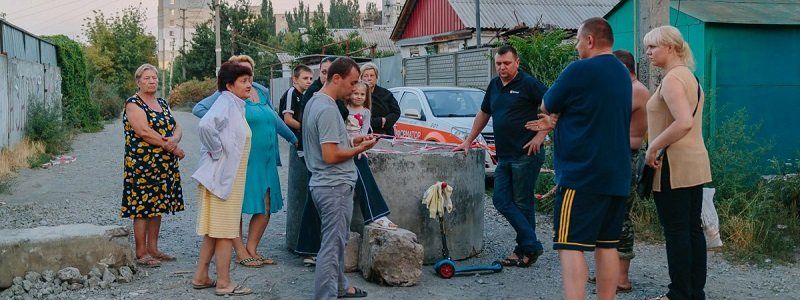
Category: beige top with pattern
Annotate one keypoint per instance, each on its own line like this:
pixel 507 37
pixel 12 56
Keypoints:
pixel 688 158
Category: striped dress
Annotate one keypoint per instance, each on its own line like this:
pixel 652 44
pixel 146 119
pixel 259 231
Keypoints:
pixel 219 218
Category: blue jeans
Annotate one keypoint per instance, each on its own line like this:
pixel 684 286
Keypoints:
pixel 514 197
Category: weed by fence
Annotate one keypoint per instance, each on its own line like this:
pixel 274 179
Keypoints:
pixel 45 125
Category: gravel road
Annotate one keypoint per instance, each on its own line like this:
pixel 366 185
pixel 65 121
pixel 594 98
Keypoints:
pixel 89 191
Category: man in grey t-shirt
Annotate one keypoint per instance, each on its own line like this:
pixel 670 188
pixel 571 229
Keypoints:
pixel 329 153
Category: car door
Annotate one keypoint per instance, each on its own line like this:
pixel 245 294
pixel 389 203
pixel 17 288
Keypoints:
pixel 412 116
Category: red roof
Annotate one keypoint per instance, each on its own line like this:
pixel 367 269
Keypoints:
pixel 428 17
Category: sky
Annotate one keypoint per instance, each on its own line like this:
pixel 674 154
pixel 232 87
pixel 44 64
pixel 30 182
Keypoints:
pixel 50 17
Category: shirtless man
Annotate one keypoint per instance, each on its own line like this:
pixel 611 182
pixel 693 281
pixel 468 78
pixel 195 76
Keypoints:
pixel 637 133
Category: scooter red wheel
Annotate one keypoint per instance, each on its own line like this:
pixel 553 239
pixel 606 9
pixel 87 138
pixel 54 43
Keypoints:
pixel 446 271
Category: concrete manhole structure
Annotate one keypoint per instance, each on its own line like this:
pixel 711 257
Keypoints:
pixel 404 170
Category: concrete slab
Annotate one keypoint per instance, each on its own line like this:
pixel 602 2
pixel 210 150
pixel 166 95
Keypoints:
pixel 82 246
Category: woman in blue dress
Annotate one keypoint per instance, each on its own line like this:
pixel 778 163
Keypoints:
pixel 262 194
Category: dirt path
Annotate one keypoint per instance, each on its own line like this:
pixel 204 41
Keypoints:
pixel 89 191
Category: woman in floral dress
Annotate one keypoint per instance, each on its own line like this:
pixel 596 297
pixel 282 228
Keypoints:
pixel 152 180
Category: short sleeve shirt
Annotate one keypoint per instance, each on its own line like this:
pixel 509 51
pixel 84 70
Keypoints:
pixel 290 102
pixel 323 124
pixel 511 106
pixel 592 144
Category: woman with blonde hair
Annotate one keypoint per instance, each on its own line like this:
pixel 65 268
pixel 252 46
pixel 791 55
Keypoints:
pixel 677 153
pixel 385 109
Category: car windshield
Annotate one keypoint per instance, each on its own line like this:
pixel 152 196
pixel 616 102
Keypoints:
pixel 454 103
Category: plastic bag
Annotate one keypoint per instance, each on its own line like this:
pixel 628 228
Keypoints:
pixel 710 219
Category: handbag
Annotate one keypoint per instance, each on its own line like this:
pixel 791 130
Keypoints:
pixel 644 183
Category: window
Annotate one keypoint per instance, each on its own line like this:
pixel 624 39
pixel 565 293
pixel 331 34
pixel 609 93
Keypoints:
pixel 411 101
pixel 454 103
pixel 172 12
pixel 172 2
pixel 397 95
pixel 171 33
pixel 171 22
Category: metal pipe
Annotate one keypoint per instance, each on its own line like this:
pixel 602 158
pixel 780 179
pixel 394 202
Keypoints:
pixel 478 22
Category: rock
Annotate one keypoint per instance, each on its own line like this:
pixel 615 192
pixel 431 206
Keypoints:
pixel 33 277
pixel 125 274
pixel 81 246
pixel 27 285
pixel 95 272
pixel 93 282
pixel 48 276
pixel 108 278
pixel 114 271
pixel 391 257
pixel 70 274
pixel 17 280
pixel 75 286
pixel 17 289
pixel 351 252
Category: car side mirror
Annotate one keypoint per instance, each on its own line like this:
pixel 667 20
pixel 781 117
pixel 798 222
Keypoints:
pixel 412 113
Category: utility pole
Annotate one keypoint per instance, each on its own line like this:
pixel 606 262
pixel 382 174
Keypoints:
pixel 652 14
pixel 478 22
pixel 217 46
pixel 183 42
pixel 171 67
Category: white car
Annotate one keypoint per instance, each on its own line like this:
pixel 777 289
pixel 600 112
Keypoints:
pixel 442 114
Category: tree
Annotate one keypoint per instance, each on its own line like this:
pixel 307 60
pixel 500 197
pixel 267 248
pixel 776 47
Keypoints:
pixel 117 46
pixel 266 23
pixel 299 17
pixel 373 14
pixel 344 14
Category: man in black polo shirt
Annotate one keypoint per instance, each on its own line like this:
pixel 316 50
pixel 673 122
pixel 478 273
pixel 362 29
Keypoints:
pixel 290 101
pixel 512 99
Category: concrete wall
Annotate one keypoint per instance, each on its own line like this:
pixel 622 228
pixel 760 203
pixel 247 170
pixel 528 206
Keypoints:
pixel 23 83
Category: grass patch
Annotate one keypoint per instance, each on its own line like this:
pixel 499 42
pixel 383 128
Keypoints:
pixel 16 158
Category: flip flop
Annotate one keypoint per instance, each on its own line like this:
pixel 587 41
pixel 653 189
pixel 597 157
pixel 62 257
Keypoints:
pixel 246 262
pixel 509 262
pixel 164 257
pixel 357 293
pixel 266 261
pixel 622 290
pixel 385 224
pixel 148 261
pixel 532 258
pixel 310 261
pixel 237 291
pixel 205 285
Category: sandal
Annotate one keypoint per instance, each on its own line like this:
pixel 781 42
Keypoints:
pixel 213 283
pixel 148 262
pixel 384 223
pixel 266 261
pixel 661 297
pixel 310 261
pixel 237 291
pixel 357 293
pixel 532 258
pixel 251 262
pixel 509 262
pixel 164 257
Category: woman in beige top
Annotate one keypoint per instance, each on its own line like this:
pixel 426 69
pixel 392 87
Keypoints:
pixel 674 122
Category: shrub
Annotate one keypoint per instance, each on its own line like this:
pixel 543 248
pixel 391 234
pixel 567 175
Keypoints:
pixel 544 54
pixel 45 125
pixel 79 111
pixel 758 217
pixel 107 98
pixel 191 91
